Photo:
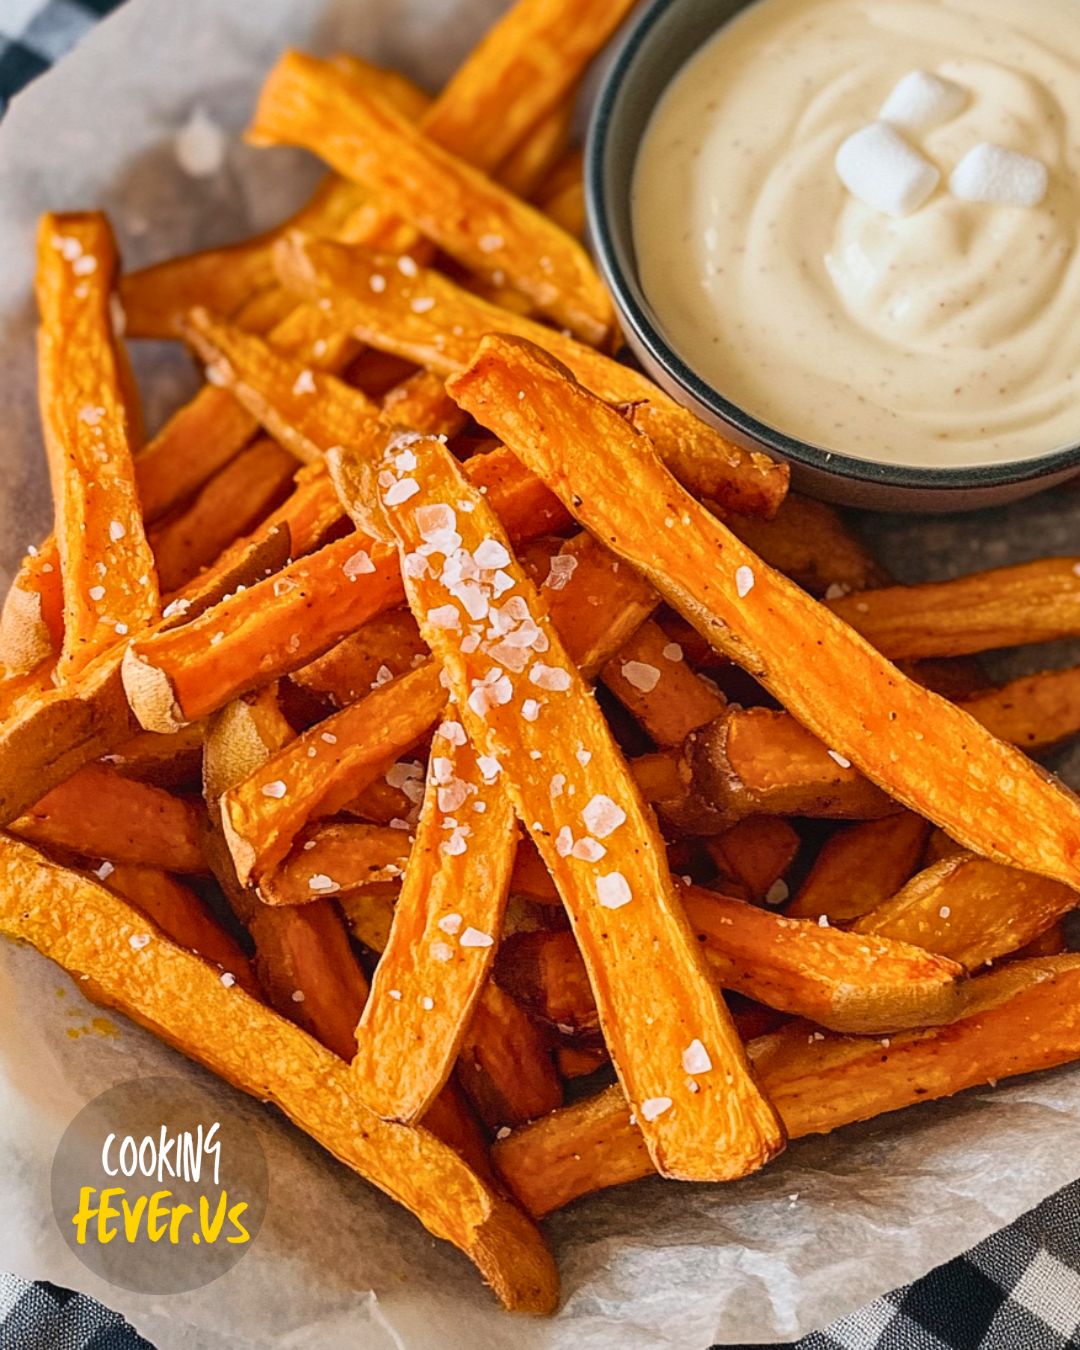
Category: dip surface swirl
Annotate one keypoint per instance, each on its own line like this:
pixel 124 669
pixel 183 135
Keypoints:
pixel 948 337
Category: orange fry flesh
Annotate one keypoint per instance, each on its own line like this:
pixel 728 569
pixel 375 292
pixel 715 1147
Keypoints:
pixel 925 752
pixel 860 867
pixel 757 852
pixel 444 337
pixel 344 856
pixel 447 921
pixel 1023 1018
pixel 711 1123
pixel 109 583
pixel 969 909
pixel 307 102
pixel 651 679
pixel 103 815
pixel 182 1000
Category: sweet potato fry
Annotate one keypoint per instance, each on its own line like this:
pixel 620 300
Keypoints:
pixel 349 671
pixel 307 102
pixel 109 584
pixel 342 857
pixel 446 923
pixel 444 337
pixel 98 813
pixel 970 910
pixel 759 761
pixel 860 867
pixel 809 542
pixel 1008 607
pixel 525 66
pixel 1035 712
pixel 578 1061
pixel 32 619
pixel 183 918
pixel 724 1128
pixel 505 1066
pixel 830 977
pixel 228 506
pixel 928 754
pixel 178 996
pixel 757 853
pixel 1019 1019
pixel 651 679
pixel 322 770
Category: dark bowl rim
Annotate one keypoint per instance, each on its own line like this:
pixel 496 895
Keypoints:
pixel 634 312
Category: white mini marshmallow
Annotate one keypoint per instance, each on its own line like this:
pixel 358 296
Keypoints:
pixel 990 173
pixel 877 166
pixel 923 100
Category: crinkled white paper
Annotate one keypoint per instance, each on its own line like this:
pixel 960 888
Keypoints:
pixel 833 1223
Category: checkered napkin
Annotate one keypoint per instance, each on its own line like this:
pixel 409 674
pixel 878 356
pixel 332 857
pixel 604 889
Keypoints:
pixel 1018 1290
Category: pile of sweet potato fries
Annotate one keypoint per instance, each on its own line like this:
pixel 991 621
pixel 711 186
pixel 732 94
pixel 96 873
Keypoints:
pixel 433 714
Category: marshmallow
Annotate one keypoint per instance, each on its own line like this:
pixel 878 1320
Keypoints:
pixel 990 173
pixel 922 100
pixel 878 166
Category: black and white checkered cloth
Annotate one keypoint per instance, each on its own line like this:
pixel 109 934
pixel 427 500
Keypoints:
pixel 1018 1290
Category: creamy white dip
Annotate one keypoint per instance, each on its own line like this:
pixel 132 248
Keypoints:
pixel 950 336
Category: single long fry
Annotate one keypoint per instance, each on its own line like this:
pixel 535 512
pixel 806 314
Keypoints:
pixel 447 921
pixel 103 815
pixel 307 102
pixel 229 505
pixel 1020 1019
pixel 183 918
pixel 833 978
pixel 180 998
pixel 860 867
pixel 109 584
pixel 325 768
pixel 969 909
pixel 444 336
pixel 1008 607
pixel 925 752
pixel 515 699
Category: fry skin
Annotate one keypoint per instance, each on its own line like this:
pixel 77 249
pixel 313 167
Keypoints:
pixel 1020 1019
pixel 928 754
pixel 181 999
pixel 109 583
pixel 724 1128
pixel 307 102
